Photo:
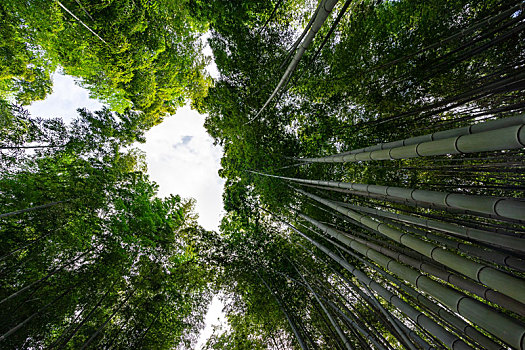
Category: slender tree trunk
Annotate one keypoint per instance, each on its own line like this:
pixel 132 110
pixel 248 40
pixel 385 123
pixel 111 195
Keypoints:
pixel 503 207
pixel 488 21
pixel 496 257
pixel 150 325
pixel 87 318
pixel 85 25
pixel 324 9
pixel 27 147
pixel 294 46
pixel 340 333
pixel 277 5
pixel 292 325
pixel 327 36
pixel 33 208
pixel 25 246
pixel 86 344
pixel 446 337
pixel 474 310
pixel 458 281
pixel 60 338
pixel 506 284
pixel 400 331
pixel 371 152
pixel 21 324
pixel 43 278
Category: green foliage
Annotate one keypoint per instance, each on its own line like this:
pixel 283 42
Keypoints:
pixel 391 70
pixel 149 59
pixel 110 250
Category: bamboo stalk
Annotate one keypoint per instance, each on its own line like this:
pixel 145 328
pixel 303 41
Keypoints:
pixel 290 322
pixel 325 7
pixel 512 137
pixel 503 207
pixel 88 316
pixel 47 205
pixel 505 328
pixel 487 21
pixel 509 285
pixel 99 330
pixel 420 318
pixel 338 329
pixel 439 135
pixel 457 230
pixel 458 281
pixel 438 310
pixel 496 257
pixel 23 323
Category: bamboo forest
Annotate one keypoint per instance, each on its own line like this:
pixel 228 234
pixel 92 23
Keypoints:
pixel 373 171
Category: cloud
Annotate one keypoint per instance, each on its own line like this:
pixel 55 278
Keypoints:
pixel 182 159
pixel 186 139
pixel 67 96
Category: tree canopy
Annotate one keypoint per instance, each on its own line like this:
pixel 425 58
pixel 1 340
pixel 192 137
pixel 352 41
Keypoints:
pixel 373 166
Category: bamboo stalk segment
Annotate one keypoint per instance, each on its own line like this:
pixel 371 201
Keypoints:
pixel 457 230
pixel 440 311
pixel 450 340
pixel 446 276
pixel 324 9
pixel 504 283
pixel 488 136
pixel 504 207
pixel 505 328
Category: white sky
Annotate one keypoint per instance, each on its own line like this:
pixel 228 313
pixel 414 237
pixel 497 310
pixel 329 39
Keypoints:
pixel 182 160
pixel 214 318
pixel 64 101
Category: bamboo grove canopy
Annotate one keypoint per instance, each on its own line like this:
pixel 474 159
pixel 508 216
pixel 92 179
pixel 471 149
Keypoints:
pixel 374 167
pixel 378 159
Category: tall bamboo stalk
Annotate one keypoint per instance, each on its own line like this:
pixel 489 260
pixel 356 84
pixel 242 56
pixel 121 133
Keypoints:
pixel 446 276
pixel 494 135
pixel 503 207
pixel 300 340
pixel 24 322
pixel 88 316
pixel 489 255
pixel 340 333
pixel 439 311
pixel 388 321
pixel 47 205
pixel 52 273
pixel 325 7
pixel 505 328
pixel 99 329
pixel 487 21
pixel 418 317
pixel 85 25
pixel 457 230
pixel 509 285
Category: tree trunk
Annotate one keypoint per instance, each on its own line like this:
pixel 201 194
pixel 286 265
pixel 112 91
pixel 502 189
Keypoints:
pixel 446 337
pixel 505 328
pixel 33 208
pixel 292 325
pixel 43 278
pixel 324 9
pixel 21 324
pixel 77 328
pixel 340 333
pixel 86 344
pixel 504 207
